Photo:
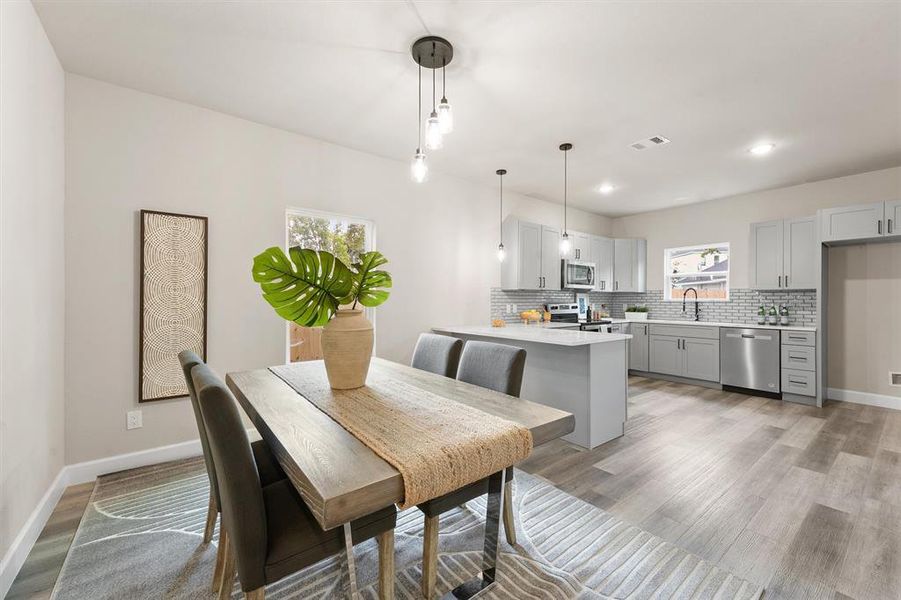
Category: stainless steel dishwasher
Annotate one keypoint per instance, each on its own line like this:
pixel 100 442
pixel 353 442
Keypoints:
pixel 750 359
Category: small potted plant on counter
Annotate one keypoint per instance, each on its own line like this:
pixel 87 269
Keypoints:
pixel 313 288
pixel 637 313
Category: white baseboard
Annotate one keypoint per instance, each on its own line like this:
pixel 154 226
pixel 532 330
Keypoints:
pixel 72 475
pixel 25 539
pixel 864 398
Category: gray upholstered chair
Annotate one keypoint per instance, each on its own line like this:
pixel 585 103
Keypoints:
pixel 438 354
pixel 500 368
pixel 269 531
pixel 267 465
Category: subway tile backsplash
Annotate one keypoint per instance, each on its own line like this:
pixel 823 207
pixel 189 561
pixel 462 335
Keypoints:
pixel 740 308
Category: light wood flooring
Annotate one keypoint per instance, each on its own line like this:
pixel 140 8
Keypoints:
pixel 804 501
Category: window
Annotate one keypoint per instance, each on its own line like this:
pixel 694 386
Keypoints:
pixel 704 267
pixel 345 237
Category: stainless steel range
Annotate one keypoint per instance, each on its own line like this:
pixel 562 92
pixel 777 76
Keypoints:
pixel 571 313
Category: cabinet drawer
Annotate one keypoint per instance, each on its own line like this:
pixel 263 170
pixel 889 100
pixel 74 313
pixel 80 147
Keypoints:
pixel 802 383
pixel 799 338
pixel 686 331
pixel 799 357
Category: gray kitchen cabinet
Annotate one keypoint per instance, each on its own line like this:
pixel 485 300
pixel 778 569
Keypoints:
pixel 893 218
pixel 638 346
pixel 533 256
pixel 630 258
pixel 550 258
pixel 783 254
pixel 701 359
pixel 665 354
pixel 602 256
pixel 581 246
pixel 860 221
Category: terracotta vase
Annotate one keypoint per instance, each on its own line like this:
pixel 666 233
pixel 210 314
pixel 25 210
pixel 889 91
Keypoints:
pixel 347 349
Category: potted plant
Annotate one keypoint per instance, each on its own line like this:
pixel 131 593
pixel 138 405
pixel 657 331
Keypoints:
pixel 636 313
pixel 313 288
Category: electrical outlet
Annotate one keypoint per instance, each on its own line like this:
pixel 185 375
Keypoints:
pixel 134 420
pixel 514 308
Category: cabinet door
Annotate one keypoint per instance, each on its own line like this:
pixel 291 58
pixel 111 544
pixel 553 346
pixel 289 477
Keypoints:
pixel 665 354
pixel 639 265
pixel 701 359
pixel 638 347
pixel 529 256
pixel 766 255
pixel 550 258
pixel 623 251
pixel 893 218
pixel 602 257
pixel 581 246
pixel 853 222
pixel 800 253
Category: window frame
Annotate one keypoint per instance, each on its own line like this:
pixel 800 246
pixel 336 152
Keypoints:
pixel 368 224
pixel 667 276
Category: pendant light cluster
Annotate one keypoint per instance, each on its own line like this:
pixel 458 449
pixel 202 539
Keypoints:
pixel 431 52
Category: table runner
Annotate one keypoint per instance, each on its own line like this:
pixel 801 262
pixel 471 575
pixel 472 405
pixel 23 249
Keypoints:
pixel 437 444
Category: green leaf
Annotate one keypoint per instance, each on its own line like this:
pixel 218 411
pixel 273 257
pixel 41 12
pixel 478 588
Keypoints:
pixel 368 280
pixel 305 288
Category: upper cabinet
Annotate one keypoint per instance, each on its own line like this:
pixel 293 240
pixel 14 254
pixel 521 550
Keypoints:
pixel 533 256
pixel 602 257
pixel 581 249
pixel 861 221
pixel 783 254
pixel 893 218
pixel 630 261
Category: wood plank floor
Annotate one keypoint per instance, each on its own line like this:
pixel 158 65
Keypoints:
pixel 804 501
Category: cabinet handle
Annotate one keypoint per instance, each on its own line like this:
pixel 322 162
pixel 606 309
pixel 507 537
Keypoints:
pixel 780 281
pixel 879 226
pixel 889 226
pixel 786 281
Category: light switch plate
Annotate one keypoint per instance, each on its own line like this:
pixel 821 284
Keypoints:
pixel 134 420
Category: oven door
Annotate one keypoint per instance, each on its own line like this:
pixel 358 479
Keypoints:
pixel 578 275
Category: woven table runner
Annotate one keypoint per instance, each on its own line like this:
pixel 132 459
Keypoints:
pixel 437 444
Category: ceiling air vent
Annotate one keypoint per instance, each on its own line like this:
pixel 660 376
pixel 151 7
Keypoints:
pixel 894 378
pixel 656 140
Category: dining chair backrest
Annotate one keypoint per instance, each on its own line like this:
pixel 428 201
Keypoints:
pixel 189 360
pixel 243 508
pixel 438 354
pixel 494 366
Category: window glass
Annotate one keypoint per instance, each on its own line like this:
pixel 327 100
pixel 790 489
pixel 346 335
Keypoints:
pixel 705 268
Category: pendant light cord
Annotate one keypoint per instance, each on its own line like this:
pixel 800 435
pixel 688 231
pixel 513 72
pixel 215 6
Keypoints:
pixel 419 110
pixel 443 79
pixel 433 78
pixel 501 220
pixel 565 164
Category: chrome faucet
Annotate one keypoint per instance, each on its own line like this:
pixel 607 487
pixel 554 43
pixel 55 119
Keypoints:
pixel 697 308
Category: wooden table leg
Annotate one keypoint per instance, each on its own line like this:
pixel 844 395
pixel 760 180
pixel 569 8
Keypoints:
pixel 386 565
pixel 429 557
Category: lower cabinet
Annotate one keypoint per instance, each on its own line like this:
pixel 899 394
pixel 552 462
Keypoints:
pixel 690 357
pixel 638 347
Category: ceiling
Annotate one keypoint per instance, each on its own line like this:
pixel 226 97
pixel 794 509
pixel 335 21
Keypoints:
pixel 820 80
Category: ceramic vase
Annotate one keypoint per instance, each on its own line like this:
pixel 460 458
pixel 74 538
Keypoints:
pixel 347 349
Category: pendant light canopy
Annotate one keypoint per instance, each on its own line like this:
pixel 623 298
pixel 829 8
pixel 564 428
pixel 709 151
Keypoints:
pixel 565 243
pixel 432 52
pixel 501 252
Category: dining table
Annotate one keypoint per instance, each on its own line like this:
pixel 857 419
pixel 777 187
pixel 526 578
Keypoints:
pixel 341 479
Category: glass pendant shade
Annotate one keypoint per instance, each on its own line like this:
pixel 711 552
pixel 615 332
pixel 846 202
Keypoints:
pixel 419 169
pixel 501 253
pixel 445 116
pixel 433 136
pixel 565 244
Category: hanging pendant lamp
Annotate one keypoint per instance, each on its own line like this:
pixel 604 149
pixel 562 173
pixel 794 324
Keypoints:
pixel 431 52
pixel 501 252
pixel 565 243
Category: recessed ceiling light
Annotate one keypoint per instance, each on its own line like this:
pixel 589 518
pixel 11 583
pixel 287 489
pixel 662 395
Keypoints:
pixel 606 188
pixel 762 149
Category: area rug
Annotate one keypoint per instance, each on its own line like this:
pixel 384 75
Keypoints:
pixel 141 537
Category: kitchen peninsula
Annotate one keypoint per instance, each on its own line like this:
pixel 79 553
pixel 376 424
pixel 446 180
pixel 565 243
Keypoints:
pixel 581 372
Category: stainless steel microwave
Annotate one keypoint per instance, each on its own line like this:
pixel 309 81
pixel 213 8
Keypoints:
pixel 578 275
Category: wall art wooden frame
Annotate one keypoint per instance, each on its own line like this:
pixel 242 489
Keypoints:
pixel 173 311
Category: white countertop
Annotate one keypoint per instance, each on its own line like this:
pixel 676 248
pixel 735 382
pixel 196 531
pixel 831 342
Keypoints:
pixel 541 334
pixel 717 324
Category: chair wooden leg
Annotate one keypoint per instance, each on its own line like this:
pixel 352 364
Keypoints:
pixel 429 557
pixel 386 565
pixel 228 573
pixel 220 558
pixel 211 515
pixel 257 594
pixel 509 524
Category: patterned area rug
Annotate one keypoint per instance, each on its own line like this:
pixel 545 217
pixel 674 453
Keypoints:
pixel 141 536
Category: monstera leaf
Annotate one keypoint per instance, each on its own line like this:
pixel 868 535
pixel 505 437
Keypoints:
pixel 368 280
pixel 305 288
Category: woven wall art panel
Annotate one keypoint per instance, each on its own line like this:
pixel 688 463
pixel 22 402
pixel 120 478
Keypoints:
pixel 173 300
